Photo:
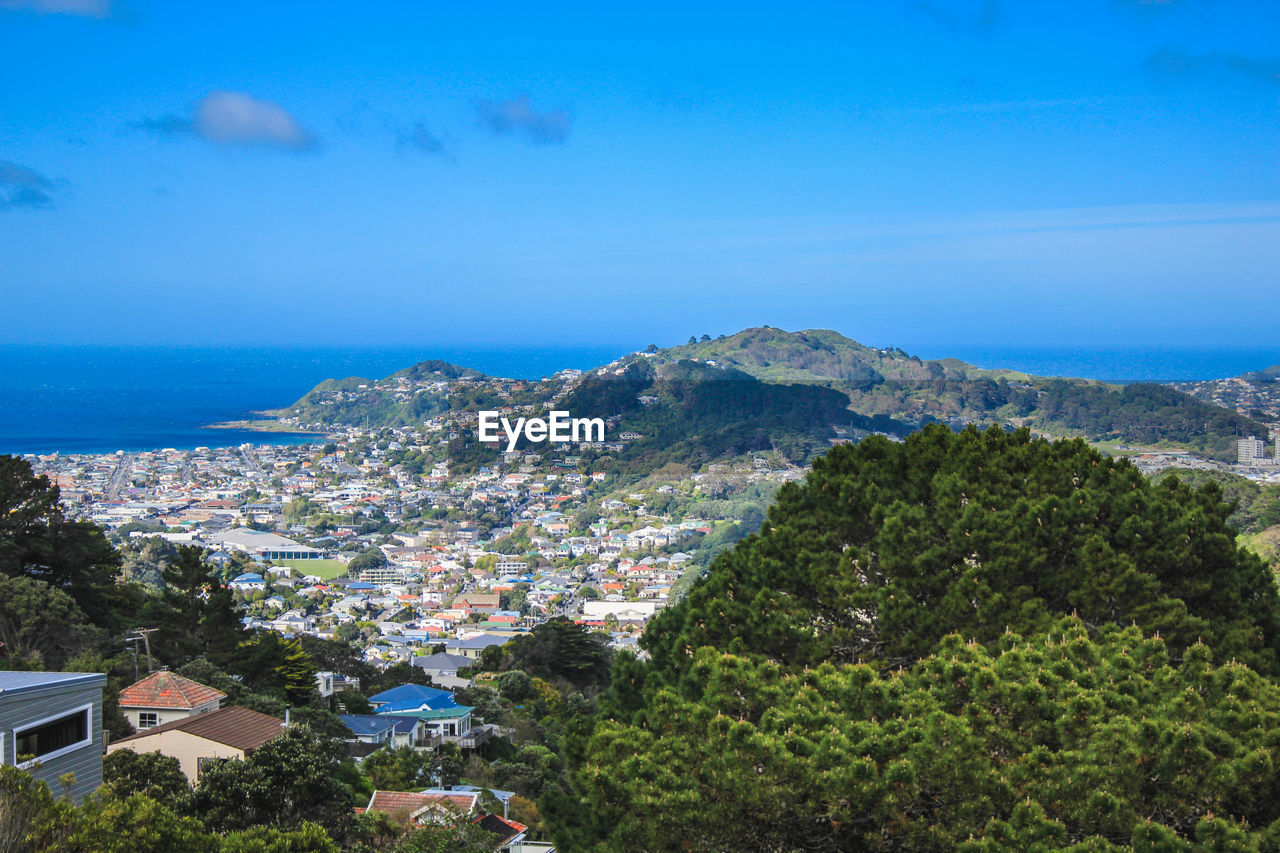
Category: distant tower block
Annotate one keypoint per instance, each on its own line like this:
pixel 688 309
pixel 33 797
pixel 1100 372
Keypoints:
pixel 1251 451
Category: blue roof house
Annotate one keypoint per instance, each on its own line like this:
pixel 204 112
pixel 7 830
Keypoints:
pixel 436 708
pixel 390 729
pixel 248 581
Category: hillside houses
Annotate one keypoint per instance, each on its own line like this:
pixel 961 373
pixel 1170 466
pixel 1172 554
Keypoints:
pixel 470 558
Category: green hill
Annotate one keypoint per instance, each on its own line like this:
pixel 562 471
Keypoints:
pixel 891 383
pixel 691 413
pixel 886 390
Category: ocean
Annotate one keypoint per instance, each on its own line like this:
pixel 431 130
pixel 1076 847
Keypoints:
pixel 100 399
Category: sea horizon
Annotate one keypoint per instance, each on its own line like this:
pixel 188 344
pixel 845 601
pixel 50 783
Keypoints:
pixel 90 399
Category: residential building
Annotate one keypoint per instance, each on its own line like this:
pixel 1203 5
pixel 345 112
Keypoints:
pixel 163 697
pixel 437 708
pixel 471 647
pixel 1251 451
pixel 484 602
pixel 396 731
pixel 226 733
pixel 443 669
pixel 427 808
pixel 51 725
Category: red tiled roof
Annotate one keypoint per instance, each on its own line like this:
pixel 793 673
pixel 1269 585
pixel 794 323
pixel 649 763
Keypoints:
pixel 238 728
pixel 404 804
pixel 504 828
pixel 168 690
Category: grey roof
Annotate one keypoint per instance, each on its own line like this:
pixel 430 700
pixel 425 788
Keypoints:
pixel 21 682
pixel 443 661
pixel 481 642
pixel 256 539
pixel 502 796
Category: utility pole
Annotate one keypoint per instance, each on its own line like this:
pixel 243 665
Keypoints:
pixel 145 635
pixel 132 643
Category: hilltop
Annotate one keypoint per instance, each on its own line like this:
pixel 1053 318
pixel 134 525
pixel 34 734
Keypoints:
pixel 894 384
pixel 788 391
pixel 775 355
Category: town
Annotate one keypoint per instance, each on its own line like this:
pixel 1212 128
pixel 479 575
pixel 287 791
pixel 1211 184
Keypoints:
pixel 347 532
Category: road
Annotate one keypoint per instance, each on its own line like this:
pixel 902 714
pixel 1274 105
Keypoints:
pixel 124 464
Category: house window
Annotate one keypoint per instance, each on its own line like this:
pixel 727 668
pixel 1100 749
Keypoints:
pixel 53 737
pixel 147 719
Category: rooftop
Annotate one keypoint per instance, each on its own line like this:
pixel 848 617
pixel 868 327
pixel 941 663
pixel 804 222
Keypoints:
pixel 168 690
pixel 409 803
pixel 19 682
pixel 412 697
pixel 238 728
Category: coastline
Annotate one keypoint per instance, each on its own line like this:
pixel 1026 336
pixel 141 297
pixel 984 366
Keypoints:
pixel 264 426
pixel 269 422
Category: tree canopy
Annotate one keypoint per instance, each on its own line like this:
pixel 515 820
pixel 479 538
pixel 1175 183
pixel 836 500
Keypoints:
pixel 37 541
pixel 1059 739
pixel 887 547
pixel 961 641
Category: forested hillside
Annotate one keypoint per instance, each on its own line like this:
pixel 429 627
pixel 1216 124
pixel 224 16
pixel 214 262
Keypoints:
pixel 891 383
pixel 879 390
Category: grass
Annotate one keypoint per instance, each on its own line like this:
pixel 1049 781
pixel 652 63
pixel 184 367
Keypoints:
pixel 324 569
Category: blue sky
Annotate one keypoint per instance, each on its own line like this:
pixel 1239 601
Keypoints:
pixel 915 173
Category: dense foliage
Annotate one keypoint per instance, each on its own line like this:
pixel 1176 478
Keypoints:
pixel 1143 412
pixel 38 542
pixel 891 383
pixel 964 639
pixel 556 650
pixel 693 413
pixel 1059 739
pixel 888 547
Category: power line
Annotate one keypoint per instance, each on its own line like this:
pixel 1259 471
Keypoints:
pixel 145 635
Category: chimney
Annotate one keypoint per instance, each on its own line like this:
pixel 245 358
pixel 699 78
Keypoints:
pixel 287 714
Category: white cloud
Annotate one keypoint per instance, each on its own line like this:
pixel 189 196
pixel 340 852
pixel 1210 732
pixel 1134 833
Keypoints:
pixel 235 119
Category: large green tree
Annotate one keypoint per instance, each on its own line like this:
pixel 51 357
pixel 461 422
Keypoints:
pixel 288 781
pixel 1057 739
pixel 38 541
pixel 196 612
pixel 40 625
pixel 558 649
pixel 125 773
pixel 886 665
pixel 269 663
pixel 887 547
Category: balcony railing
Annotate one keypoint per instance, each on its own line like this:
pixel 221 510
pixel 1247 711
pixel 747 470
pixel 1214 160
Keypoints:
pixel 476 737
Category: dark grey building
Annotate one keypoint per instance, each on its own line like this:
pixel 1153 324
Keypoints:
pixel 51 725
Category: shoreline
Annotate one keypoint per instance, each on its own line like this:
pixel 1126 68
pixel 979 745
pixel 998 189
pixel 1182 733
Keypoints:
pixel 264 426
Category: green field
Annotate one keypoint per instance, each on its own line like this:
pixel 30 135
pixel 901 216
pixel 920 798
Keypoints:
pixel 326 569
